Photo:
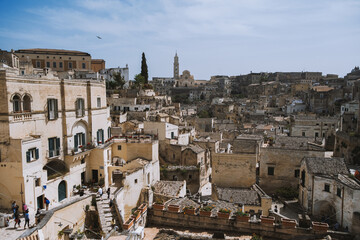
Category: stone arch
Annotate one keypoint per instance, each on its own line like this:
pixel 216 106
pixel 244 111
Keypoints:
pixel 5 197
pixel 325 208
pixel 26 100
pixel 79 123
pixel 16 101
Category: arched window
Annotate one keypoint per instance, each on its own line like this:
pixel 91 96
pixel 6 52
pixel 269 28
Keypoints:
pixel 27 103
pixel 16 103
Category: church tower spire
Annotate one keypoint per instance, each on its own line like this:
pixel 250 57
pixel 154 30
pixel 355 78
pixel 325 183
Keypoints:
pixel 176 66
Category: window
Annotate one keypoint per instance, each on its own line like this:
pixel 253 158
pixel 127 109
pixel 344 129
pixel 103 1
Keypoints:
pixel 79 141
pixel 100 136
pixel 303 178
pixel 98 100
pixel 327 187
pixel 83 65
pixel 119 147
pixel 135 181
pixel 27 103
pixel 60 65
pixel 37 182
pixel 47 64
pixel 297 173
pixel 190 177
pixel 52 109
pixel 338 192
pixel 16 104
pixel 109 132
pixel 271 171
pixel 70 65
pixel 316 134
pixel 54 146
pixel 80 108
pixel 303 134
pixel 38 65
pixel 54 64
pixel 32 154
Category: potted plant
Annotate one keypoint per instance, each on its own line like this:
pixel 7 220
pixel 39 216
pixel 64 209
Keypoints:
pixel 267 220
pixel 158 205
pixel 137 214
pixel 128 224
pixel 288 223
pixel 190 210
pixel 143 207
pixel 320 227
pixel 206 211
pixel 224 213
pixel 242 217
pixel 173 208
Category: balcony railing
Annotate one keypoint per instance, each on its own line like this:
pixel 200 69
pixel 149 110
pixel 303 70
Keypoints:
pixel 22 116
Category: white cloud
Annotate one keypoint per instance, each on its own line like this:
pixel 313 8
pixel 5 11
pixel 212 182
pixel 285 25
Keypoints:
pixel 211 36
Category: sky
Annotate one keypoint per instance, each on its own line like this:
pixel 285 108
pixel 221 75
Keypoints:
pixel 211 37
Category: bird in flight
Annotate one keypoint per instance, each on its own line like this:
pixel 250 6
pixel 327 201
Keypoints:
pixel 98 37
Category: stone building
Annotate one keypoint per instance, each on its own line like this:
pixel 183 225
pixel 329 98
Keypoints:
pixel 47 128
pixel 56 59
pixel 280 161
pixel 313 126
pixel 250 200
pixel 327 190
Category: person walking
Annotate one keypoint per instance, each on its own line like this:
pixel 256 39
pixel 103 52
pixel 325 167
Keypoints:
pixel 47 202
pixel 17 216
pixel 27 218
pixel 100 191
pixel 13 207
pixel 108 192
pixel 24 208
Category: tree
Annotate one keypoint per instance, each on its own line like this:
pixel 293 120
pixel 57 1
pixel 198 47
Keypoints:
pixel 144 68
pixel 119 80
pixel 139 80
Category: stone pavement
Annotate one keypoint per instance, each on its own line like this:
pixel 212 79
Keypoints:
pixel 10 233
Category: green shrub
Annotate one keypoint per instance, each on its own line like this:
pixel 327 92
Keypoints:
pixel 287 193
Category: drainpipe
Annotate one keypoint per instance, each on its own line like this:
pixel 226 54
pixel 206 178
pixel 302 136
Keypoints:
pixel 342 206
pixel 312 195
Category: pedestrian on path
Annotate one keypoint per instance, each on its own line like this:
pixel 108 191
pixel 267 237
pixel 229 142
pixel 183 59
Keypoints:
pixel 108 192
pixel 13 207
pixel 27 218
pixel 24 208
pixel 100 192
pixel 47 202
pixel 17 216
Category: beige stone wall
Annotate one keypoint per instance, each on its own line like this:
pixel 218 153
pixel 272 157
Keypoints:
pixel 233 170
pixel 71 216
pixel 285 162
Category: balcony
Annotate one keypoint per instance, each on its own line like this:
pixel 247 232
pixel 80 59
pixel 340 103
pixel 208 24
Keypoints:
pixel 24 116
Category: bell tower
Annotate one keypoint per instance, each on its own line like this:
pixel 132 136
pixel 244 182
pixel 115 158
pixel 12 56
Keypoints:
pixel 176 66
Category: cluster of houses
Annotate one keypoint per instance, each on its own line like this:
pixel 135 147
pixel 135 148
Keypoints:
pixel 227 143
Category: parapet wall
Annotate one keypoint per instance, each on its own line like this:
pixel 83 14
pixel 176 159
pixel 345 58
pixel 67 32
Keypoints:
pixel 265 229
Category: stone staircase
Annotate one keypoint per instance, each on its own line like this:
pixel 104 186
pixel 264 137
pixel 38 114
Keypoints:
pixel 106 214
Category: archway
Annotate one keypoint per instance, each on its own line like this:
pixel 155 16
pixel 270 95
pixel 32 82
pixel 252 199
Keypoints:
pixel 62 190
pixel 325 209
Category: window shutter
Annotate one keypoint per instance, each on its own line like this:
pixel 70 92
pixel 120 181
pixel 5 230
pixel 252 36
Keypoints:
pixel 102 136
pixel 83 107
pixel 97 136
pixel 37 153
pixel 76 144
pixel 48 108
pixel 83 139
pixel 56 108
pixel 51 147
pixel 57 146
pixel 28 156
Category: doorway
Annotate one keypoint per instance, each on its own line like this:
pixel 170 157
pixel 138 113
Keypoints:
pixel 40 201
pixel 95 174
pixel 62 190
